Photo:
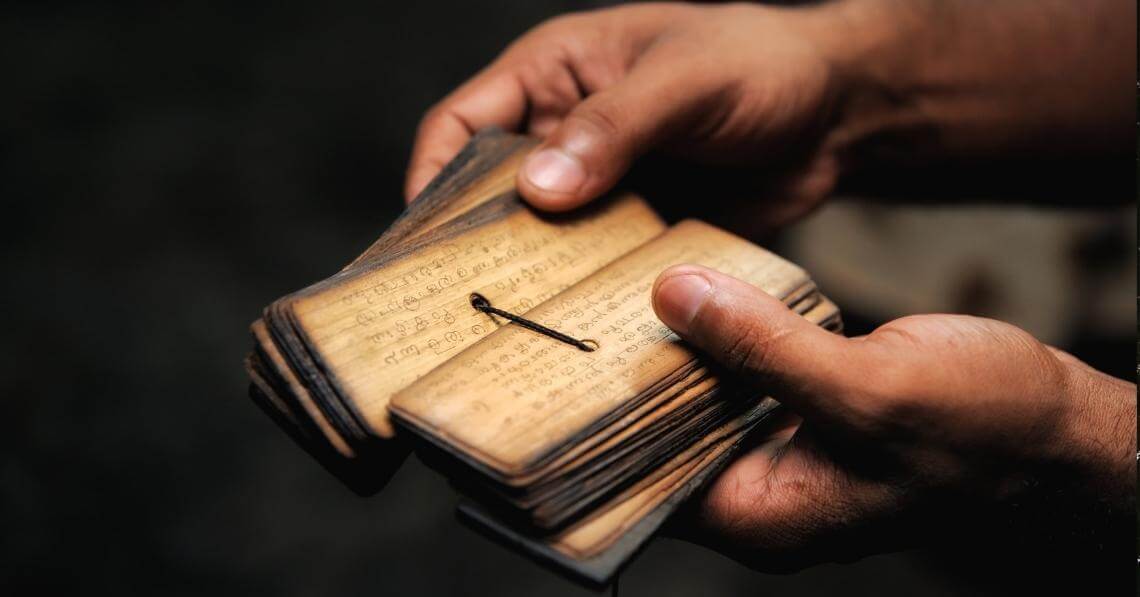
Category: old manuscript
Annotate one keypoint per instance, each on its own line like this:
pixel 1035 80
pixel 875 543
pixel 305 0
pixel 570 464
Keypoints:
pixel 575 453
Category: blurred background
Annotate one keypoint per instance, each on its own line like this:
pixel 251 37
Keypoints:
pixel 167 169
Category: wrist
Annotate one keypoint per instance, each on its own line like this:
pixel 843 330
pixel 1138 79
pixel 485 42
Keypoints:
pixel 1078 495
pixel 1098 438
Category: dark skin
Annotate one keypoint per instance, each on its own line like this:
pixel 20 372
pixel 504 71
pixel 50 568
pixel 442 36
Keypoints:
pixel 926 410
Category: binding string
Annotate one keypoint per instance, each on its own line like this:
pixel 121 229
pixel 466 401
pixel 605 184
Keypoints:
pixel 480 303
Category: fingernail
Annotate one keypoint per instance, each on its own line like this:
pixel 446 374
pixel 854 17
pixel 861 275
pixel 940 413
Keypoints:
pixel 555 170
pixel 679 298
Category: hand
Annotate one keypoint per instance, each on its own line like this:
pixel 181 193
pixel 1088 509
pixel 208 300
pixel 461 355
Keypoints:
pixel 786 101
pixel 903 431
pixel 735 85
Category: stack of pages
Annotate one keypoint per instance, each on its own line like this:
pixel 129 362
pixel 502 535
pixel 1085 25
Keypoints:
pixel 574 432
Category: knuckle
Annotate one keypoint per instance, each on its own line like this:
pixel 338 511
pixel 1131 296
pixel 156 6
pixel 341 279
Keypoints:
pixel 557 26
pixel 595 120
pixel 739 353
pixel 899 331
pixel 431 118
pixel 749 348
pixel 1037 355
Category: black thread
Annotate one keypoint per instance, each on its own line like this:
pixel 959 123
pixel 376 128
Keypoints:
pixel 480 303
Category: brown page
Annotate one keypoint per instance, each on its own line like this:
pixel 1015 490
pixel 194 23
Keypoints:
pixel 381 329
pixel 517 399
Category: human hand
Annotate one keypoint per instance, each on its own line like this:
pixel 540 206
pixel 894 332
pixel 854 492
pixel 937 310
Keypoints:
pixel 787 100
pixel 904 431
pixel 732 85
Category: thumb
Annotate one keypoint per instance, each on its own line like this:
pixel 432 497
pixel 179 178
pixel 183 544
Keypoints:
pixel 814 371
pixel 597 141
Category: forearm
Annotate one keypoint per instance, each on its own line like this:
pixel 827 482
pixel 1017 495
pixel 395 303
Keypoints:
pixel 1078 495
pixel 968 81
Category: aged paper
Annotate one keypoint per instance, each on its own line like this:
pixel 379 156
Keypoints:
pixel 379 332
pixel 518 397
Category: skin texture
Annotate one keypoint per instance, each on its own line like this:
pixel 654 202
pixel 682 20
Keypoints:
pixel 604 87
pixel 927 414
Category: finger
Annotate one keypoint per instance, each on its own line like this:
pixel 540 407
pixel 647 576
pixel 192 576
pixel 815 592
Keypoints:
pixel 598 139
pixel 759 448
pixel 786 507
pixel 552 90
pixel 493 98
pixel 819 374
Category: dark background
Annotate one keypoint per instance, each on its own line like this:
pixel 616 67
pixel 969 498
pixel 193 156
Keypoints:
pixel 169 168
